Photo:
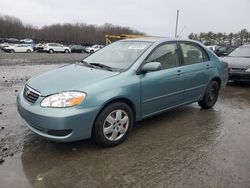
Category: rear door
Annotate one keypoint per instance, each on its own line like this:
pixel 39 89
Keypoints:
pixel 56 47
pixel 196 65
pixel 60 48
pixel 162 89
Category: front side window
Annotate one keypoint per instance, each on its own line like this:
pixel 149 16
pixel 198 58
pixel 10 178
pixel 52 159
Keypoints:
pixel 166 54
pixel 193 54
pixel 119 55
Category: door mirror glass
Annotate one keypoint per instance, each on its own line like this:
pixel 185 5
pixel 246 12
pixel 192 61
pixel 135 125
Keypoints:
pixel 152 66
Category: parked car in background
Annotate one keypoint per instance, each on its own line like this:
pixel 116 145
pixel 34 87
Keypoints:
pixel 56 47
pixel 129 80
pixel 12 40
pixel 32 45
pixel 27 41
pixel 92 49
pixel 239 64
pixel 39 47
pixel 213 47
pixel 77 48
pixel 224 50
pixel 3 45
pixel 18 48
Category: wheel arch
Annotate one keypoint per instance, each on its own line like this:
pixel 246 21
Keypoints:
pixel 114 100
pixel 218 80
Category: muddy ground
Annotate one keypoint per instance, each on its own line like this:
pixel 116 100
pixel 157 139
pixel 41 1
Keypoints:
pixel 185 147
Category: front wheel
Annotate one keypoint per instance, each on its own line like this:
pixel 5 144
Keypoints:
pixel 211 95
pixel 113 124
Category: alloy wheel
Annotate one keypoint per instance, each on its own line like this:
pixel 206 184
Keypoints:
pixel 116 125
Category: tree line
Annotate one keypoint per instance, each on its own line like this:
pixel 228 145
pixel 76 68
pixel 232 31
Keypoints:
pixel 211 38
pixel 77 33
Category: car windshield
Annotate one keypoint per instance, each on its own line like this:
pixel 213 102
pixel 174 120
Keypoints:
pixel 119 55
pixel 243 51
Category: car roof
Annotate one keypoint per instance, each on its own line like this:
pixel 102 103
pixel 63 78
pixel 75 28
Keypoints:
pixel 158 39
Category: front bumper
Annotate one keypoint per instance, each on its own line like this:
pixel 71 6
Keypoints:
pixel 57 124
pixel 239 76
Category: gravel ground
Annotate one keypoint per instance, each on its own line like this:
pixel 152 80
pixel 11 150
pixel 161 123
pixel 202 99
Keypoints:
pixel 9 59
pixel 184 147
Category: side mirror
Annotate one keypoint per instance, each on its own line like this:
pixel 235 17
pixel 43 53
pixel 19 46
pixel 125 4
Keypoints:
pixel 152 66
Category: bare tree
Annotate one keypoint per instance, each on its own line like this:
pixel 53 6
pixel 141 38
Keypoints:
pixel 80 33
pixel 211 38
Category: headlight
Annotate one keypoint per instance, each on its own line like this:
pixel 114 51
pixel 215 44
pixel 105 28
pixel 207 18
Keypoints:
pixel 64 99
pixel 248 70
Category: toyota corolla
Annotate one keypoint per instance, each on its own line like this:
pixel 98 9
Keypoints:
pixel 103 95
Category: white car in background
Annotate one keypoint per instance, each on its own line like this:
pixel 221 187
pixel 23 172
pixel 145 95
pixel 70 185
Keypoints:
pixel 27 41
pixel 18 48
pixel 213 47
pixel 92 49
pixel 56 47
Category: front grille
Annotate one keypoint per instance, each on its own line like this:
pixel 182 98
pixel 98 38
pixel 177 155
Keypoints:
pixel 30 94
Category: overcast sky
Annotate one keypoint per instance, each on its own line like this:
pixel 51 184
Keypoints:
pixel 154 17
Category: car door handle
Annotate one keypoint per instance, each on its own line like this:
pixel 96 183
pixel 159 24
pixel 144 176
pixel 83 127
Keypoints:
pixel 207 66
pixel 179 72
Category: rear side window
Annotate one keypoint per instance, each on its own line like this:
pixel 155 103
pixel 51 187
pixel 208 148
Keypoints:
pixel 166 54
pixel 193 54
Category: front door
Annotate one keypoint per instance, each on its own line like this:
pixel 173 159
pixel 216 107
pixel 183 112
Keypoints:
pixel 163 89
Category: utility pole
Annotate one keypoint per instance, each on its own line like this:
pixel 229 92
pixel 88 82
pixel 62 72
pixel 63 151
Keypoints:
pixel 176 26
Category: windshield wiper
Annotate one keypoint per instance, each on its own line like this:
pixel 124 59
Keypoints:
pixel 86 64
pixel 102 66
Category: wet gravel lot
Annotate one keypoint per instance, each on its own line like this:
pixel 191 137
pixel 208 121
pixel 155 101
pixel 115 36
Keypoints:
pixel 184 147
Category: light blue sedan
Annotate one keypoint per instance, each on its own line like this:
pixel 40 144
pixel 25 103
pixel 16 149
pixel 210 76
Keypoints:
pixel 103 95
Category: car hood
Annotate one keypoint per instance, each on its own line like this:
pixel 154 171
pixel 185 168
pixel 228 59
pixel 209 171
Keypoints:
pixel 67 78
pixel 237 62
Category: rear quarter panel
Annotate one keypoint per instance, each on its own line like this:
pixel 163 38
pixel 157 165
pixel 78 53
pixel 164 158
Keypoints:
pixel 219 68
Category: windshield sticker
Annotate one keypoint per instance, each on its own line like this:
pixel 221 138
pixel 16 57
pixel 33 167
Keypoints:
pixel 140 47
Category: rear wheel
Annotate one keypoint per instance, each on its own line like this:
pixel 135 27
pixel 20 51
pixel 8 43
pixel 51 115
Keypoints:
pixel 113 124
pixel 91 51
pixel 66 51
pixel 211 95
pixel 28 51
pixel 12 51
pixel 51 51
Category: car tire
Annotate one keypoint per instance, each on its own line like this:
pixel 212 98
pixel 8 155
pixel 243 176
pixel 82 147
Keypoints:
pixel 12 51
pixel 211 95
pixel 91 51
pixel 28 51
pixel 113 124
pixel 66 51
pixel 51 51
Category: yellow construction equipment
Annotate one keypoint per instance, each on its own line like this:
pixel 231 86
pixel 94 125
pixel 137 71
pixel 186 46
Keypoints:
pixel 109 38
